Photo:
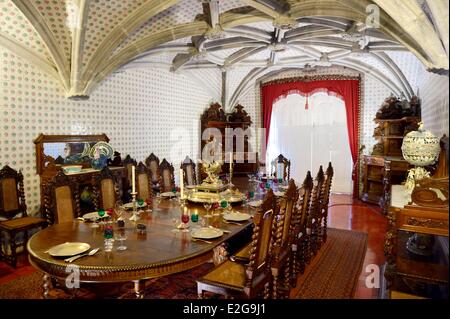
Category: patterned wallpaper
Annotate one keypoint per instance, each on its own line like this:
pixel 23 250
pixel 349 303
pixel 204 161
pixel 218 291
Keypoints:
pixel 16 26
pixel 141 111
pixel 433 91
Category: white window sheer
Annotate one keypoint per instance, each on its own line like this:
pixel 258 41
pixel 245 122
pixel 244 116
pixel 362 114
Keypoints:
pixel 312 137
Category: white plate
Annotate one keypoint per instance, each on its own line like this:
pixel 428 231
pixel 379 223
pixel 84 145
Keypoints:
pixel 206 233
pixel 168 194
pixel 236 216
pixel 130 205
pixel 68 249
pixel 278 194
pixel 255 203
pixel 91 216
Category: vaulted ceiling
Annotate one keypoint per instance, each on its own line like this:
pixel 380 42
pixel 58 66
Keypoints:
pixel 81 42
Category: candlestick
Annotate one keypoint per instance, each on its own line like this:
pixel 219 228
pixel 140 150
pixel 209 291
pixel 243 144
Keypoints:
pixel 181 183
pixel 231 169
pixel 135 216
pixel 133 177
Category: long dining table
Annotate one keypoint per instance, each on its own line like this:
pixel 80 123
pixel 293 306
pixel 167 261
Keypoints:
pixel 159 251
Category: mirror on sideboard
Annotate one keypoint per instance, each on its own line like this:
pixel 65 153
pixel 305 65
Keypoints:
pixel 61 150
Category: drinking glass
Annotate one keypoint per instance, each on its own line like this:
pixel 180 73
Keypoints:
pixel 207 206
pixel 121 236
pixel 185 220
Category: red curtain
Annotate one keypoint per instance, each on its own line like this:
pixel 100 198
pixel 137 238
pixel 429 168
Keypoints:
pixel 348 90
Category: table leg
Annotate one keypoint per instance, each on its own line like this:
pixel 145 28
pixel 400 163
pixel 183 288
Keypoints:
pixel 46 286
pixel 138 289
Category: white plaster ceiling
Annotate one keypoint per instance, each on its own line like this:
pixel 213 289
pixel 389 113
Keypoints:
pixel 81 42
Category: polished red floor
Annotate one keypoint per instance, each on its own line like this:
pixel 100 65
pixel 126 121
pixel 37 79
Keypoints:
pixel 344 213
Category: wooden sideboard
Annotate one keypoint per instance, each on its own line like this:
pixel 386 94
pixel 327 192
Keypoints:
pixel 52 152
pixel 379 172
pixel 406 272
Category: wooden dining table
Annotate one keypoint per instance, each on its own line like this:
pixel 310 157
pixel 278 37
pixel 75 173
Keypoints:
pixel 161 250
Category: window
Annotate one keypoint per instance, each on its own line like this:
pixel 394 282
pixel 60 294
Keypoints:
pixel 312 137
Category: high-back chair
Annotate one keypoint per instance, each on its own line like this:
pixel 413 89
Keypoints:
pixel 143 182
pixel 283 239
pixel 61 200
pixel 324 201
pixel 281 167
pixel 312 222
pixel 13 213
pixel 189 174
pixel 167 178
pixel 299 219
pixel 235 279
pixel 152 163
pixel 106 191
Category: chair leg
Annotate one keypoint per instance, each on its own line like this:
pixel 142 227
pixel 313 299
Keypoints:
pixel 13 247
pixel 325 225
pixel 304 255
pixel 287 275
pixel 267 291
pixel 294 267
pixel 275 283
pixel 199 291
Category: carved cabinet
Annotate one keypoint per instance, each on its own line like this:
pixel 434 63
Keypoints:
pixel 407 273
pixel 215 120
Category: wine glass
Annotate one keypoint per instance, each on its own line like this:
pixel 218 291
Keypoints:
pixel 101 213
pixel 185 220
pixel 208 206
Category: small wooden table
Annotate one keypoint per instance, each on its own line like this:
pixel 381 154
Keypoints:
pixel 161 251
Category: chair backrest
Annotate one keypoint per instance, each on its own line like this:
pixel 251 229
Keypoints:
pixel 284 229
pixel 303 203
pixel 128 162
pixel 167 178
pixel 190 176
pixel 152 162
pixel 12 195
pixel 326 188
pixel 314 206
pixel 143 182
pixel 282 167
pixel 106 192
pixel 262 239
pixel 61 201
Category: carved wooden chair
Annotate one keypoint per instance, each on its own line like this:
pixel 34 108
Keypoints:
pixel 313 227
pixel 324 201
pixel 61 200
pixel 143 182
pixel 13 213
pixel 167 178
pixel 106 191
pixel 251 280
pixel 299 221
pixel 281 167
pixel 152 162
pixel 128 162
pixel 190 176
pixel 283 240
